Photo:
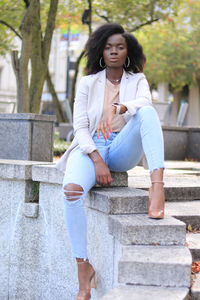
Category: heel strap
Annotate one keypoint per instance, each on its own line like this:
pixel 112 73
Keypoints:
pixel 157 182
pixel 82 262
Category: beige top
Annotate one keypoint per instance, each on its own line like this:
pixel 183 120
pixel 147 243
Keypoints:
pixel 112 96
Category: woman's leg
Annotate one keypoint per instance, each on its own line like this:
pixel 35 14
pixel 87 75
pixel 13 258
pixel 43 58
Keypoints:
pixel 78 180
pixel 142 134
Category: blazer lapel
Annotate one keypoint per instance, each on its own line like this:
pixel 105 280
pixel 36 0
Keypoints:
pixel 123 85
pixel 101 92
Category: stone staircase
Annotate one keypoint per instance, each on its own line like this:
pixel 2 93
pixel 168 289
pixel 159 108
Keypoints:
pixel 152 261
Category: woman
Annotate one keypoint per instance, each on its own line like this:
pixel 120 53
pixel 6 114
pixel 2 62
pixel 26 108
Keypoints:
pixel 114 125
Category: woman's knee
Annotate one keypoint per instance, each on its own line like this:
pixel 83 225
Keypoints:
pixel 147 110
pixel 73 191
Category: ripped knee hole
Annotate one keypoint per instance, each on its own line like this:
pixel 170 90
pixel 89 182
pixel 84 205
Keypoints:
pixel 73 192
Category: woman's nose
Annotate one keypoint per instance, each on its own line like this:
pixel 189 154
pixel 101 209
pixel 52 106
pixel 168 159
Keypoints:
pixel 113 50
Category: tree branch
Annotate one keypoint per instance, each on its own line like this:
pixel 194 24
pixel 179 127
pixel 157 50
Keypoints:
pixel 102 17
pixel 144 24
pixel 58 108
pixel 11 28
pixel 49 29
pixel 90 17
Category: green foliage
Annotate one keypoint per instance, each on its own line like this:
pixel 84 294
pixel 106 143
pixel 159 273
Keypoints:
pixel 12 12
pixel 173 48
pixel 59 145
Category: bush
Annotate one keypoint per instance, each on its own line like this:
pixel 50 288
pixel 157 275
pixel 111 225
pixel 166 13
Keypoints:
pixel 59 146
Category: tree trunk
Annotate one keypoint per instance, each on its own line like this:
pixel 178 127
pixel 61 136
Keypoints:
pixel 22 64
pixel 40 54
pixel 58 108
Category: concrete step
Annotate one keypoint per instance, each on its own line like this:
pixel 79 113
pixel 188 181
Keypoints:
pixel 139 229
pixel 155 265
pixel 188 212
pixel 146 293
pixel 118 200
pixel 195 290
pixel 185 193
pixel 193 242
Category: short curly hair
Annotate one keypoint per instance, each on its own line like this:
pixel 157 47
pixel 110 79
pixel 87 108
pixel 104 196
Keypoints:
pixel 96 43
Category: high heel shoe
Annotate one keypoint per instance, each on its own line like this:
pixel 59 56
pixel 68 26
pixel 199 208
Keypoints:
pixel 85 271
pixel 156 205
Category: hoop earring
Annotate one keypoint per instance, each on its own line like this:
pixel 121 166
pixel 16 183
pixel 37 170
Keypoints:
pixel 100 63
pixel 128 63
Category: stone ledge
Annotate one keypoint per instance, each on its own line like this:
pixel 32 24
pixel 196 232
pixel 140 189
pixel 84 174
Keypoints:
pixel 119 200
pixel 141 230
pixel 146 293
pixel 44 172
pixel 28 116
pixel 17 169
pixel 47 173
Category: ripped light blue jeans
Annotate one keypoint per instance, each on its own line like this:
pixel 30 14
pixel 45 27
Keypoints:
pixel 121 152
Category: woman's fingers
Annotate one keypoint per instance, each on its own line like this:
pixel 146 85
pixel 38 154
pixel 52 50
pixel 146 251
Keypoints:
pixel 102 130
pixel 98 131
pixel 104 127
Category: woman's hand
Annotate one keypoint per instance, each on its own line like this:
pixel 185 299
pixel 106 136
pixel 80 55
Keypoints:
pixel 103 175
pixel 105 125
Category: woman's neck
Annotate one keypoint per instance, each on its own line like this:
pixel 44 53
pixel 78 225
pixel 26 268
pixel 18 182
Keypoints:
pixel 114 73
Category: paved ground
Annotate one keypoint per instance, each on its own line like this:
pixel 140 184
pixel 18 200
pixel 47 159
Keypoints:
pixel 177 174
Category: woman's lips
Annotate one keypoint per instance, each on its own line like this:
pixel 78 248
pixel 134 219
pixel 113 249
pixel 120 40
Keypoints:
pixel 113 59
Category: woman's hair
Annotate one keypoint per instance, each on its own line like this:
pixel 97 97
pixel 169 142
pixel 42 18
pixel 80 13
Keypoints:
pixel 96 43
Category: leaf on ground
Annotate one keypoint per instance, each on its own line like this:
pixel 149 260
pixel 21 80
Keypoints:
pixel 196 267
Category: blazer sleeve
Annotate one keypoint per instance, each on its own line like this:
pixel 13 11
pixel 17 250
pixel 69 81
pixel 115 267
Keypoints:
pixel 143 97
pixel 81 120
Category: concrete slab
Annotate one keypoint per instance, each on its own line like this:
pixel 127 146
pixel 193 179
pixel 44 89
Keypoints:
pixel 155 265
pixel 188 212
pixel 193 242
pixel 138 229
pixel 146 293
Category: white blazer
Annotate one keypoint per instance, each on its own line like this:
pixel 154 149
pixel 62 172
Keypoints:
pixel 88 106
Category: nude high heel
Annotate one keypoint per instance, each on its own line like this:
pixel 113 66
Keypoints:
pixel 87 279
pixel 156 202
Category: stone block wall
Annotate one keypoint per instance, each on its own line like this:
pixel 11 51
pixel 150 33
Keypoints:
pixel 26 137
pixel 35 255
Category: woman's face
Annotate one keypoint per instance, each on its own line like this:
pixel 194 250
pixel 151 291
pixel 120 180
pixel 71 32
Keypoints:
pixel 115 51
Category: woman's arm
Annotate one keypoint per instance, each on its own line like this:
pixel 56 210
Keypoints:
pixel 143 97
pixel 83 136
pixel 102 172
